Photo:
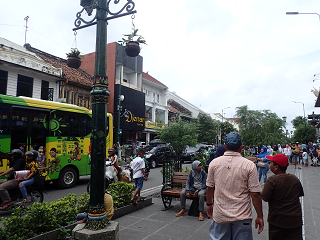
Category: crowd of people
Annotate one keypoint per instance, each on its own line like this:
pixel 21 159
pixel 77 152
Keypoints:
pixel 232 184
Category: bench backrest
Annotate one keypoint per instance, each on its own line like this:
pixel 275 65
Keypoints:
pixel 180 177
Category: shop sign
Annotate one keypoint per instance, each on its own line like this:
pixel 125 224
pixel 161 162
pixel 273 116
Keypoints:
pixel 154 125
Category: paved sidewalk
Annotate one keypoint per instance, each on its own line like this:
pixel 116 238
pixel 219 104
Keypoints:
pixel 152 223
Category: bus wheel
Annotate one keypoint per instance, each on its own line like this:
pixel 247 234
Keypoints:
pixel 67 178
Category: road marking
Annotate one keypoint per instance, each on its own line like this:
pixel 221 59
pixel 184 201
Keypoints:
pixel 152 189
pixel 298 173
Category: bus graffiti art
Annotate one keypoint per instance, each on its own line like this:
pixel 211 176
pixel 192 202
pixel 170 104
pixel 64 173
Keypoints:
pixel 64 131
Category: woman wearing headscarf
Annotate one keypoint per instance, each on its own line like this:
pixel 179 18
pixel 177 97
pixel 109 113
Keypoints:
pixel 263 170
pixel 196 184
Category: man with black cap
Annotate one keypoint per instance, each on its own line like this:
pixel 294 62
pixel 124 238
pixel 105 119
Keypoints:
pixel 282 192
pixel 233 181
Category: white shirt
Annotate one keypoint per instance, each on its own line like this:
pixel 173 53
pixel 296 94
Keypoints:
pixel 137 165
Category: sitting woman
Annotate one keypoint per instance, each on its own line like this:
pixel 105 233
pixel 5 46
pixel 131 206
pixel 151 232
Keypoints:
pixel 33 166
pixel 196 184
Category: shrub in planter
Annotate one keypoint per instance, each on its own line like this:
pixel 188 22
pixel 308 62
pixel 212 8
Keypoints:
pixel 44 217
pixel 121 193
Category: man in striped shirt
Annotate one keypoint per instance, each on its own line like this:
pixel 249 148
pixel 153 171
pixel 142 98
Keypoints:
pixel 233 181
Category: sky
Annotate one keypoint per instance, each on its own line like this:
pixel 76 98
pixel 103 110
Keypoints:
pixel 215 54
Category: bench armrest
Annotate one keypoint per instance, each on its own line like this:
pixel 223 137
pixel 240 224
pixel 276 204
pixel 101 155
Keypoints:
pixel 166 187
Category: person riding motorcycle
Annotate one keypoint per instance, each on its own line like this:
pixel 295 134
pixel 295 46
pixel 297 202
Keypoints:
pixel 16 163
pixel 113 162
pixel 32 165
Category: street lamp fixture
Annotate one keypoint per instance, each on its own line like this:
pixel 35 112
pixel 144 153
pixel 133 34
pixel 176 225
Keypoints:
pixel 222 112
pixel 97 217
pixel 296 13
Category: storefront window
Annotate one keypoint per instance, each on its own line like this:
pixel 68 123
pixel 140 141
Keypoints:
pixel 148 113
pixel 160 116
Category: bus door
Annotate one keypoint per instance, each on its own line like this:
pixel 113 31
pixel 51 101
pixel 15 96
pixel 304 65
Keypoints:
pixel 28 128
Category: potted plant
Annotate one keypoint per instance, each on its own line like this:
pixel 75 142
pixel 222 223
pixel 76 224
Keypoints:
pixel 132 43
pixel 74 60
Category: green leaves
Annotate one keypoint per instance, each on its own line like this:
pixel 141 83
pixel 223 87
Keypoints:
pixel 121 193
pixel 43 216
pixel 131 37
pixel 73 53
pixel 260 127
pixel 179 135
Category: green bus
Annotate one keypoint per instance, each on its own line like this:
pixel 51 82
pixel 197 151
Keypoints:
pixel 62 130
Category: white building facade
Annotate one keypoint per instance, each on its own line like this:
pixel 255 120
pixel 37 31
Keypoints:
pixel 23 73
pixel 156 110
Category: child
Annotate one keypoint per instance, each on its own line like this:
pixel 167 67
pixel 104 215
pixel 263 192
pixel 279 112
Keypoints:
pixel 305 158
pixel 282 192
pixel 114 162
pixel 138 175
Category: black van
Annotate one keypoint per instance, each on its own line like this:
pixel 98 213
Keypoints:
pixel 157 154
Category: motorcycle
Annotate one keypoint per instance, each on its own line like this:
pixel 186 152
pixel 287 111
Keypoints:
pixel 16 196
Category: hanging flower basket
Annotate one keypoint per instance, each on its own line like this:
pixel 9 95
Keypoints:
pixel 74 62
pixel 132 49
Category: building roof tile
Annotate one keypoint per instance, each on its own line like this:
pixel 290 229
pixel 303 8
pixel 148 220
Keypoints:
pixel 152 79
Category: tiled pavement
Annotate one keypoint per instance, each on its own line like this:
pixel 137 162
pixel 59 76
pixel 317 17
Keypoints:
pixel 152 223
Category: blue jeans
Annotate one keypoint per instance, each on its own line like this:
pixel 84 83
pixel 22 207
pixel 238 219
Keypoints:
pixel 24 185
pixel 238 230
pixel 264 177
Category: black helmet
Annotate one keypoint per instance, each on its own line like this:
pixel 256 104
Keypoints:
pixel 16 153
pixel 32 153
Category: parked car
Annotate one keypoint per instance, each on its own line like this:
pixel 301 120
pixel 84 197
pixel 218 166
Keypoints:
pixel 189 154
pixel 158 154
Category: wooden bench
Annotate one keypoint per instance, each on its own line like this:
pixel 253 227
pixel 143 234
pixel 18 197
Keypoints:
pixel 174 189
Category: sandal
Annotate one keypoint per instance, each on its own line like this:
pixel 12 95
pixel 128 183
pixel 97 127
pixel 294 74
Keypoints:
pixel 181 213
pixel 6 206
pixel 141 200
pixel 133 202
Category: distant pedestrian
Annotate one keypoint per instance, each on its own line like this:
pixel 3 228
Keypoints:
pixel 295 155
pixel 233 182
pixel 264 167
pixel 139 175
pixel 287 152
pixel 282 192
pixel 269 150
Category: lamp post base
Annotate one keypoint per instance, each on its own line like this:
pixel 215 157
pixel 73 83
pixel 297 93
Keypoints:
pixel 111 232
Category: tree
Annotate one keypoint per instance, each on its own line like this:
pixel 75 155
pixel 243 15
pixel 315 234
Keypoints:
pixel 304 134
pixel 259 127
pixel 179 135
pixel 226 128
pixel 297 121
pixel 207 129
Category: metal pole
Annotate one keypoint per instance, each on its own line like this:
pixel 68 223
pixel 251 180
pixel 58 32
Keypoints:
pixel 97 214
pixel 119 103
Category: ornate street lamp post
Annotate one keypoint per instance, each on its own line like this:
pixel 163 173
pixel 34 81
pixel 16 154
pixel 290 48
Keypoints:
pixel 284 118
pixel 99 94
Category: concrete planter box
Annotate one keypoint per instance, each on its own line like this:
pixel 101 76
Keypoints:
pixel 54 234
pixel 131 208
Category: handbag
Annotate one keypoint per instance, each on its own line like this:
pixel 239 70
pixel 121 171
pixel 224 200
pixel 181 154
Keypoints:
pixel 262 164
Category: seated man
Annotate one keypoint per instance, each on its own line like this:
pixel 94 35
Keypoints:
pixel 108 204
pixel 17 163
pixel 196 184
